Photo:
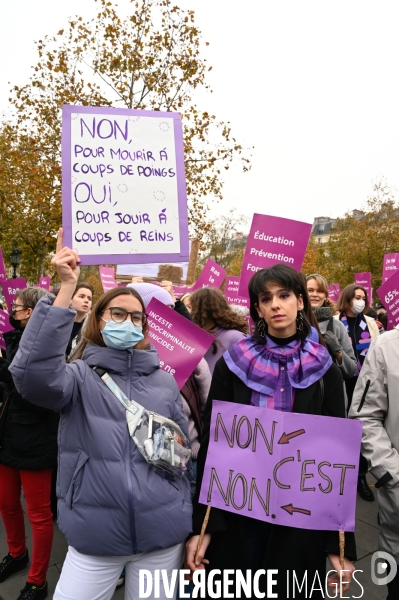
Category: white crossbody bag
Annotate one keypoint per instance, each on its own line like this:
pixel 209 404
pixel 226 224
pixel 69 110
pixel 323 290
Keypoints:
pixel 160 440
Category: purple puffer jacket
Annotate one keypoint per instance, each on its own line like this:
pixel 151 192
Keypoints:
pixel 111 502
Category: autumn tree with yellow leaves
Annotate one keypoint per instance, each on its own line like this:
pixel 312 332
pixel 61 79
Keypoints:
pixel 359 241
pixel 149 60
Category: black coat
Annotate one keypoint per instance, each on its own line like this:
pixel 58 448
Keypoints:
pixel 284 548
pixel 28 433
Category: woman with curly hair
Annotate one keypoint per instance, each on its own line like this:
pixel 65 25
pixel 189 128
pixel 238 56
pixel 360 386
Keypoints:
pixel 210 311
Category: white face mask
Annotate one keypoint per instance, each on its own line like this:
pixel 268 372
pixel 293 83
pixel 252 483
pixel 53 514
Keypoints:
pixel 358 306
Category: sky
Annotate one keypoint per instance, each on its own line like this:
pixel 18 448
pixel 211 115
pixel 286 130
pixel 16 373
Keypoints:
pixel 311 85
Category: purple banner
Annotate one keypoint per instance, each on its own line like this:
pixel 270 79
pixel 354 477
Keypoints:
pixel 10 289
pixel 212 276
pixel 388 293
pixel 332 293
pixel 390 265
pixel 180 344
pixel 107 276
pixel 3 274
pixel 364 280
pixel 284 468
pixel 44 282
pixel 231 292
pixel 273 240
pixel 4 327
pixel 123 185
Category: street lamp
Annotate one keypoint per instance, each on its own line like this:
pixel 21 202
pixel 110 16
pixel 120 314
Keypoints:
pixel 15 259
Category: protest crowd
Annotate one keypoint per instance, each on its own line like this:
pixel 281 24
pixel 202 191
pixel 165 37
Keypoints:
pixel 88 403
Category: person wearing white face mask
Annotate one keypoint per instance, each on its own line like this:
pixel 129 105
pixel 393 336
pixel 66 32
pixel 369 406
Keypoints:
pixel 362 330
pixel 115 508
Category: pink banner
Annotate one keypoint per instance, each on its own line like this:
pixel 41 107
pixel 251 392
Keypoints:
pixel 231 292
pixel 10 289
pixel 334 291
pixel 4 327
pixel 388 293
pixel 284 468
pixel 390 265
pixel 273 240
pixel 3 274
pixel 44 282
pixel 364 279
pixel 212 276
pixel 107 276
pixel 180 344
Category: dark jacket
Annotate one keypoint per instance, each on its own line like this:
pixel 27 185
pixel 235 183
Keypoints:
pixel 284 548
pixel 28 433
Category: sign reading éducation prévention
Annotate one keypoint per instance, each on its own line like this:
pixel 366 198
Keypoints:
pixel 10 289
pixel 273 240
pixel 180 344
pixel 364 280
pixel 284 468
pixel 107 276
pixel 4 327
pixel 123 185
pixel 231 292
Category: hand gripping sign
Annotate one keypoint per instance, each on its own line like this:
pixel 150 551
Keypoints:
pixel 123 185
pixel 285 468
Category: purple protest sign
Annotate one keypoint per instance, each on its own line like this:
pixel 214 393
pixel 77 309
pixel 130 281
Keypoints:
pixel 273 240
pixel 44 282
pixel 180 344
pixel 123 185
pixel 364 280
pixel 284 468
pixel 388 293
pixel 10 289
pixel 390 265
pixel 231 292
pixel 4 327
pixel 107 276
pixel 332 293
pixel 337 289
pixel 180 290
pixel 212 276
pixel 3 274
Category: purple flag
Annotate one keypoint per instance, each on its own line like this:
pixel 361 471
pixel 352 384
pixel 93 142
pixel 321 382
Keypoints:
pixel 10 289
pixel 3 274
pixel 284 468
pixel 388 293
pixel 273 240
pixel 231 292
pixel 44 282
pixel 180 344
pixel 123 185
pixel 364 280
pixel 107 276
pixel 212 276
pixel 390 265
pixel 4 327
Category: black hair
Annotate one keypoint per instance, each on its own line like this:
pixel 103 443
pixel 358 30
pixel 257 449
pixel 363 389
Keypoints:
pixel 290 280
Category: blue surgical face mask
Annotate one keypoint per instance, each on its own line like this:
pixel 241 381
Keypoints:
pixel 121 336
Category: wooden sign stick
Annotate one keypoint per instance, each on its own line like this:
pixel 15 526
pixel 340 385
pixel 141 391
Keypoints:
pixel 203 529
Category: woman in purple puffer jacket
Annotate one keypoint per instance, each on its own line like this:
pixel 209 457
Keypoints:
pixel 114 508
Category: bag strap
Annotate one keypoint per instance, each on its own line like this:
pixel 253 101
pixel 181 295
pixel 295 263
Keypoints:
pixel 130 405
pixel 330 325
